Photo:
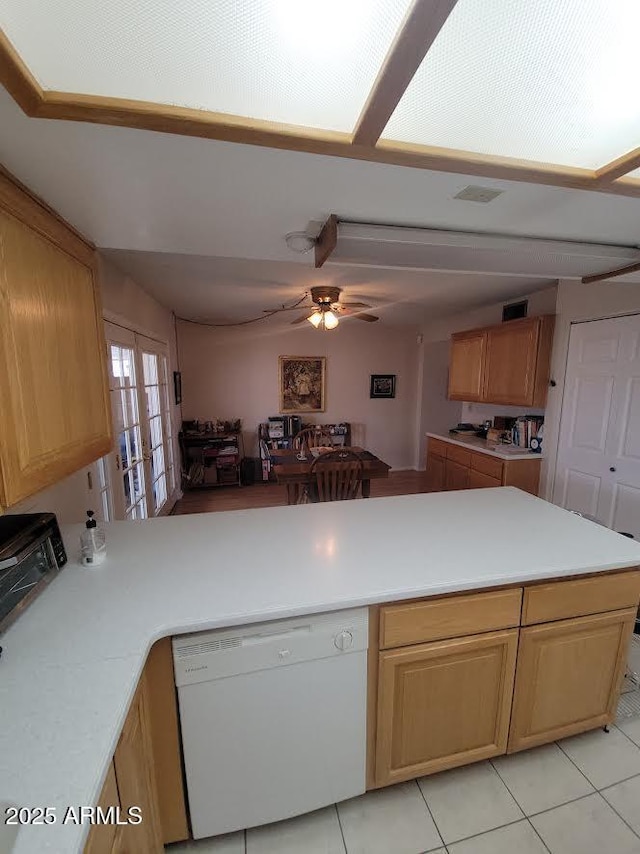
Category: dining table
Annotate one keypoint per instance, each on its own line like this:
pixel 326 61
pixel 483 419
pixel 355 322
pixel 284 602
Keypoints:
pixel 293 471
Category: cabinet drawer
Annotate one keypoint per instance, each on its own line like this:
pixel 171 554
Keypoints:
pixel 436 619
pixel 478 480
pixel 487 465
pixel 580 597
pixel 437 447
pixel 459 455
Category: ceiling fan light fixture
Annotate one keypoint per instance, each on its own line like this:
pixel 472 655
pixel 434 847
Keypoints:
pixel 330 320
pixel 315 319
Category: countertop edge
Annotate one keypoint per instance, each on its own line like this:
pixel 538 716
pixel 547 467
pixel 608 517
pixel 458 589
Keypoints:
pixel 525 455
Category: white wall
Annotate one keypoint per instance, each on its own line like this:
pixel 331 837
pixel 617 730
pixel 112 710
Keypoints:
pixel 577 302
pixel 440 414
pixel 233 373
pixel 124 302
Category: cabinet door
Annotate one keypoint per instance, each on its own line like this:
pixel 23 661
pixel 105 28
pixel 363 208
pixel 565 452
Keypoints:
pixel 102 837
pixel 480 480
pixel 443 704
pixel 55 416
pixel 435 473
pixel 136 782
pixel 569 677
pixel 456 476
pixel 510 372
pixel 466 365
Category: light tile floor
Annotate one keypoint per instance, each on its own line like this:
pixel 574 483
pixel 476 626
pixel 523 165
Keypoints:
pixel 580 796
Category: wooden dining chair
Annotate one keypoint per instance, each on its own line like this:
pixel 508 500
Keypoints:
pixel 335 476
pixel 312 437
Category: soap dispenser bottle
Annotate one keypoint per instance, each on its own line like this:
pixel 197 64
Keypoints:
pixel 93 544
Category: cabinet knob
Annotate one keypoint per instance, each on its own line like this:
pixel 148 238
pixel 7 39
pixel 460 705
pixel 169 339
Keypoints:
pixel 612 468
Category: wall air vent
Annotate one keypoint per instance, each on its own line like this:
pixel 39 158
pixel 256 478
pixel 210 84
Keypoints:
pixel 478 194
pixel 514 310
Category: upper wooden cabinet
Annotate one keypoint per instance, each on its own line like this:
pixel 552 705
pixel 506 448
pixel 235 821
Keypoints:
pixel 55 415
pixel 505 364
pixel 466 365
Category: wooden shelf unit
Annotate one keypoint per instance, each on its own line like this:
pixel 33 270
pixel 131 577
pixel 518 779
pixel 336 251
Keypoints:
pixel 204 449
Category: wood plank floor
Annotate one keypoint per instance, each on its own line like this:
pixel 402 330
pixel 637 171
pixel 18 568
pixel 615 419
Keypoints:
pixel 273 495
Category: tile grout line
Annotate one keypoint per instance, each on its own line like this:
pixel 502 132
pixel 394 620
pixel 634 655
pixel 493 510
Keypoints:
pixel 504 783
pixel 435 823
pixel 344 841
pixel 599 791
pixel 625 734
pixel 621 817
pixel 564 803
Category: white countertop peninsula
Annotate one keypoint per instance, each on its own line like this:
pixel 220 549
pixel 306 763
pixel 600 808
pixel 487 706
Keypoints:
pixel 493 449
pixel 71 663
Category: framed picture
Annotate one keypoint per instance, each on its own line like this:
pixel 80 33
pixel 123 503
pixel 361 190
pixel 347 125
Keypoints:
pixel 177 387
pixel 382 385
pixel 302 383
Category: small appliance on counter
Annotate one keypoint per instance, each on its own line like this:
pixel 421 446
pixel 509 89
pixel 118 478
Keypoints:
pixel 31 555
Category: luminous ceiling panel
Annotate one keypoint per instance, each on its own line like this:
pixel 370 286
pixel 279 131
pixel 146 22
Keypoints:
pixel 551 80
pixel 287 61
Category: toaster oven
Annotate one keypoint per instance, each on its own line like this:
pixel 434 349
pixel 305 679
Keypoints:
pixel 31 555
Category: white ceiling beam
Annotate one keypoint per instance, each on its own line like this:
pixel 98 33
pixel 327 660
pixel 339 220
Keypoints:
pixel 421 25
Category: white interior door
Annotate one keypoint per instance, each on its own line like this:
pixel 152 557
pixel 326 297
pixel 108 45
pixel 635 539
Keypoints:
pixel 598 464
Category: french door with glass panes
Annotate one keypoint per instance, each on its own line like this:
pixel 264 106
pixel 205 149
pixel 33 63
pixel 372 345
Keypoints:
pixel 142 465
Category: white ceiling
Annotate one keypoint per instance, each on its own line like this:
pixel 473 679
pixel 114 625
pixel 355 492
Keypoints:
pixel 202 288
pixel 138 191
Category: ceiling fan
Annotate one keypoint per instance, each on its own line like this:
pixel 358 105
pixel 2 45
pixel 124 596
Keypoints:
pixel 323 314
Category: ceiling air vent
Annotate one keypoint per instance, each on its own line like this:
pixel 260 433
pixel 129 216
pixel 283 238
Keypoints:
pixel 478 194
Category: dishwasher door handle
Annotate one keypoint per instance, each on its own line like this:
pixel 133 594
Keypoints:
pixel 264 637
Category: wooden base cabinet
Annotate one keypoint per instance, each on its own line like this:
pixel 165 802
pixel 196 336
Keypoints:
pixel 135 774
pixel 450 466
pixel 146 770
pixel 443 704
pixel 569 677
pixel 102 837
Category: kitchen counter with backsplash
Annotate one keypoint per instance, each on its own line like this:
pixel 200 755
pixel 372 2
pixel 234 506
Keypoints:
pixel 493 449
pixel 71 662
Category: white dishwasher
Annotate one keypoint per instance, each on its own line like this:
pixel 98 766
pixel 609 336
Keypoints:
pixel 273 718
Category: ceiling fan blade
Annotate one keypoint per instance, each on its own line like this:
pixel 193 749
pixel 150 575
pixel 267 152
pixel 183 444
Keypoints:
pixel 300 319
pixel 360 315
pixel 291 308
pixel 356 304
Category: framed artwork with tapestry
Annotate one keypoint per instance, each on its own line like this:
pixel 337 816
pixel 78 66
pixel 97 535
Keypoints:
pixel 302 383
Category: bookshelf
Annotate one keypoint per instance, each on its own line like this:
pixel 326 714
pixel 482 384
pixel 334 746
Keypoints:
pixel 211 459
